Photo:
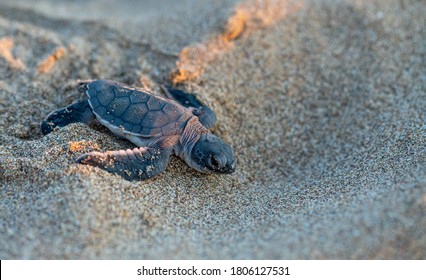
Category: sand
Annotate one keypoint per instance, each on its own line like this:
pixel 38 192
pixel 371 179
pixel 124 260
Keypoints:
pixel 323 101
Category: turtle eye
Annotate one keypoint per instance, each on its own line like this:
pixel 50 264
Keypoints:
pixel 215 162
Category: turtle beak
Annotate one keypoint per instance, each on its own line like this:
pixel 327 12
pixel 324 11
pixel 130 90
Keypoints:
pixel 229 168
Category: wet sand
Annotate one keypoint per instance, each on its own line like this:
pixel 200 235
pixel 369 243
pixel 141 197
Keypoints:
pixel 323 101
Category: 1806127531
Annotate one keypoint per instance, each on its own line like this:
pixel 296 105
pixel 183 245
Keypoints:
pixel 262 270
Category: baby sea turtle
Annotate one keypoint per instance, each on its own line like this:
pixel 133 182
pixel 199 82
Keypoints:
pixel 160 127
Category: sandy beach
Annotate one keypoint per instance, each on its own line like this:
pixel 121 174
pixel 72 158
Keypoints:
pixel 323 101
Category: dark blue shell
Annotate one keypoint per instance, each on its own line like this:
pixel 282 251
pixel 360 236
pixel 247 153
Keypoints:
pixel 135 111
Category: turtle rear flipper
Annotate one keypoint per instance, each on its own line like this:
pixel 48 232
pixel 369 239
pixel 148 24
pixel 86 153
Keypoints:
pixel 206 116
pixel 76 112
pixel 136 164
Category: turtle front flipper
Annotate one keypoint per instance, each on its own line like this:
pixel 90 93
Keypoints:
pixel 76 112
pixel 136 164
pixel 206 116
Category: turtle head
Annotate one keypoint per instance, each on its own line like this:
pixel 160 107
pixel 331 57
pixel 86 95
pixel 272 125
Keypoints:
pixel 211 154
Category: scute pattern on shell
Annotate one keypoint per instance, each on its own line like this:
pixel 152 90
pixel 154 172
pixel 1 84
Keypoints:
pixel 135 111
